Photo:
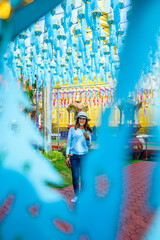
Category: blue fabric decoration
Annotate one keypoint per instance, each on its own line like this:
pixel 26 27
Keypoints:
pixel 102 73
pixel 53 79
pixel 48 21
pixel 106 76
pixel 112 35
pixel 111 54
pixel 80 47
pixel 22 47
pixel 96 34
pixel 92 64
pixel 101 42
pixel 61 46
pixel 86 80
pixel 116 12
pixel 106 63
pixel 49 51
pixel 94 4
pixel 113 71
pixel 10 56
pixel 73 56
pixel 92 76
pixel 32 35
pixel 16 40
pixel 119 44
pixel 96 63
pixel 38 45
pixel 68 7
pixel 88 14
pixel 24 73
pixel 83 29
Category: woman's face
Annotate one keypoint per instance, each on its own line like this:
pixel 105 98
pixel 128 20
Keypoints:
pixel 82 121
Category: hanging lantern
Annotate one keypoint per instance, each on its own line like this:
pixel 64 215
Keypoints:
pixel 61 36
pixel 19 68
pixel 97 12
pixel 120 31
pixel 22 46
pixel 101 62
pixel 86 49
pixel 92 55
pixel 42 66
pixel 67 58
pixel 102 36
pixel 110 18
pixel 77 66
pixel 23 35
pixel 108 42
pixel 116 58
pixel 81 16
pixel 63 64
pixel 37 29
pixel 46 39
pixel 88 40
pixel 31 54
pixel 102 39
pixel 63 4
pixel 96 29
pixel 28 63
pixel 38 32
pixel 55 23
pixel 26 52
pixel 55 26
pixel 52 64
pixel 77 31
pixel 44 48
pixel 106 50
pixel 89 64
pixel 16 55
pixel 74 41
pixel 79 55
pixel 81 13
pixel 113 37
pixel 53 12
pixel 121 4
pixel 49 46
pixel 69 52
pixel 19 64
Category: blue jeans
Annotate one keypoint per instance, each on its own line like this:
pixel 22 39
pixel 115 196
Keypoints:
pixel 77 171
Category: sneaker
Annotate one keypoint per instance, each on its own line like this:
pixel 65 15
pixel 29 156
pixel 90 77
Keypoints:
pixel 74 200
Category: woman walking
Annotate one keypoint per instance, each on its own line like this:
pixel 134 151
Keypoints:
pixel 79 140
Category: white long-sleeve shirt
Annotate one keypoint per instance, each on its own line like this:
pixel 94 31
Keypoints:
pixel 77 143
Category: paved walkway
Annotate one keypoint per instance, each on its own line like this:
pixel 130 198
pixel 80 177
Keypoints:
pixel 135 214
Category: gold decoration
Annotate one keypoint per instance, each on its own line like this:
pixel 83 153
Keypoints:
pixel 77 106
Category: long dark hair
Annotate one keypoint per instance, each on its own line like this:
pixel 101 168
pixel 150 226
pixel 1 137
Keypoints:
pixel 86 125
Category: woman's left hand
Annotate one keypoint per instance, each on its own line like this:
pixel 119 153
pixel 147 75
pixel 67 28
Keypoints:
pixel 86 135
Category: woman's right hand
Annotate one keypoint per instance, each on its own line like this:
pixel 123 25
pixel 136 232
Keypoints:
pixel 68 162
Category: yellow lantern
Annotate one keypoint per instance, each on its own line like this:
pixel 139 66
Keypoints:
pixel 5 9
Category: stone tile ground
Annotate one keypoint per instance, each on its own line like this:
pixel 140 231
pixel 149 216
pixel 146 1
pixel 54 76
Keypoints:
pixel 136 214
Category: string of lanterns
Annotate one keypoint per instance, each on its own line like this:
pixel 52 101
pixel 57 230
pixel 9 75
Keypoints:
pixel 64 52
pixel 102 96
pixel 146 96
